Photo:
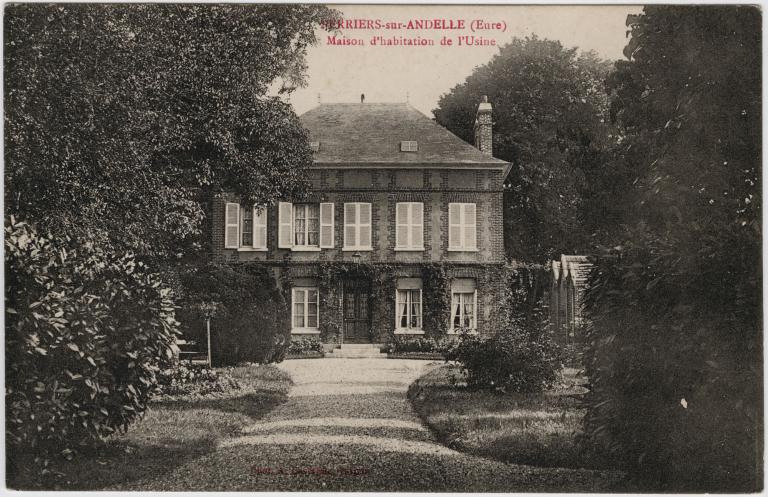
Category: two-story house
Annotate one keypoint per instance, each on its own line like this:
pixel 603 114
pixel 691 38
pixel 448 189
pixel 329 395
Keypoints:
pixel 392 190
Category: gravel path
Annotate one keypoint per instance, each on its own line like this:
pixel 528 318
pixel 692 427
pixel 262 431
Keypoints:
pixel 348 425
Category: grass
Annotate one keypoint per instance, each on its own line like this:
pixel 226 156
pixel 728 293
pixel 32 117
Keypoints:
pixel 173 432
pixel 536 429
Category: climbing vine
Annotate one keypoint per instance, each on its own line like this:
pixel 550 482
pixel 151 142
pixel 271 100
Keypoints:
pixel 436 299
pixel 332 275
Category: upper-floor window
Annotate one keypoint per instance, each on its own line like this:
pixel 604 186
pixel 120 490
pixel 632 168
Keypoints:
pixel 409 146
pixel 409 226
pixel 246 227
pixel 305 226
pixel 462 227
pixel 357 226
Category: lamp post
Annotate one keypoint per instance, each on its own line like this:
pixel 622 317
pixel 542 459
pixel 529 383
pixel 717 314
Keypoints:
pixel 209 310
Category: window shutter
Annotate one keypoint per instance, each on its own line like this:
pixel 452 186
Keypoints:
pixel 232 228
pixel 417 225
pixel 454 225
pixel 326 225
pixel 260 228
pixel 401 223
pixel 285 224
pixel 364 220
pixel 350 222
pixel 470 227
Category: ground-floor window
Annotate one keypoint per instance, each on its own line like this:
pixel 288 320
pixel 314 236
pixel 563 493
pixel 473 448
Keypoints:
pixel 305 305
pixel 408 304
pixel 463 304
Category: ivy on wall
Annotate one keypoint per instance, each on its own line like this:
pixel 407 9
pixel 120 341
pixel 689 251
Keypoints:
pixel 332 276
pixel 519 291
pixel 436 299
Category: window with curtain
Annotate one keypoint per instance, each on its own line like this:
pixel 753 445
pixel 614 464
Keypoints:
pixel 463 310
pixel 306 302
pixel 409 309
pixel 246 228
pixel 306 224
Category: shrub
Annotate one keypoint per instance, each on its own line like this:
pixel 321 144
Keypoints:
pixel 521 356
pixel 191 379
pixel 399 344
pixel 307 345
pixel 510 361
pixel 251 322
pixel 86 333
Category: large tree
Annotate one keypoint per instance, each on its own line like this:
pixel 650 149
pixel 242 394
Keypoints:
pixel 119 116
pixel 549 110
pixel 676 344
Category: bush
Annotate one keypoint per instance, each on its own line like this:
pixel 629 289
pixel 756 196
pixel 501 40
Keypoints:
pixel 252 318
pixel 399 344
pixel 510 361
pixel 305 346
pixel 86 333
pixel 195 380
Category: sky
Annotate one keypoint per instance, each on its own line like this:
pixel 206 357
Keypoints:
pixel 421 74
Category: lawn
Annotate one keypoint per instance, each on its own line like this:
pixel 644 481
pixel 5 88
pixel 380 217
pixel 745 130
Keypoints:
pixel 173 432
pixel 536 429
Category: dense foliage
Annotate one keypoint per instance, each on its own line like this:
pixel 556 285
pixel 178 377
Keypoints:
pixel 549 107
pixel 194 379
pixel 675 347
pixel 509 361
pixel 119 117
pixel 305 346
pixel 522 355
pixel 400 344
pixel 251 322
pixel 86 333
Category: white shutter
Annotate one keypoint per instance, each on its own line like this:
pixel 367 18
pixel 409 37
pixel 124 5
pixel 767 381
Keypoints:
pixel 470 226
pixel 350 225
pixel 326 225
pixel 232 222
pixel 285 225
pixel 364 221
pixel 454 225
pixel 401 225
pixel 417 225
pixel 260 228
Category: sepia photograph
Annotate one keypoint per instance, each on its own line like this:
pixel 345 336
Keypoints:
pixel 387 248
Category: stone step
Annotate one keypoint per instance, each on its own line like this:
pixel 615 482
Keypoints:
pixel 356 356
pixel 357 353
pixel 360 346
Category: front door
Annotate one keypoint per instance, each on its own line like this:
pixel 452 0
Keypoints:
pixel 357 315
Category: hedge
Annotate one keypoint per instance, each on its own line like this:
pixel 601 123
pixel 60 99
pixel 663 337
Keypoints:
pixel 251 318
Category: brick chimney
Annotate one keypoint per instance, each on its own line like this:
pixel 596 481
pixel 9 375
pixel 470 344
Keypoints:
pixel 484 127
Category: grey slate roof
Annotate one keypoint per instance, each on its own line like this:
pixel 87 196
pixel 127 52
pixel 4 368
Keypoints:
pixel 371 133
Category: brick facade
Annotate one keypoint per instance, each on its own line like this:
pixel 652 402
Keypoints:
pixel 484 192
pixel 359 165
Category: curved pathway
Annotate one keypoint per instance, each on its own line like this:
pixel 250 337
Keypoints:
pixel 348 425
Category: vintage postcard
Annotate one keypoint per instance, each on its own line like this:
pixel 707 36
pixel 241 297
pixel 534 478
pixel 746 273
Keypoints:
pixel 412 248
